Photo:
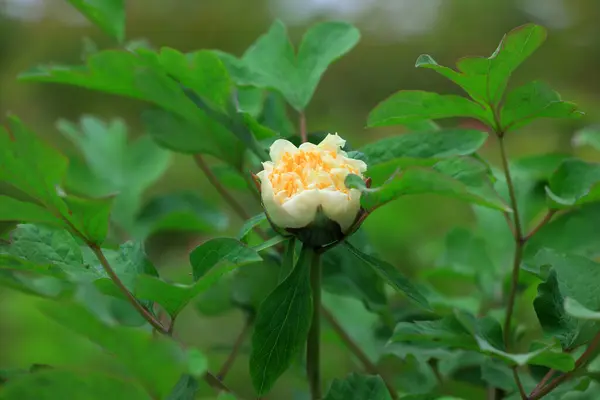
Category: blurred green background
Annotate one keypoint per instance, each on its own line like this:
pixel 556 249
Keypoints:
pixel 409 232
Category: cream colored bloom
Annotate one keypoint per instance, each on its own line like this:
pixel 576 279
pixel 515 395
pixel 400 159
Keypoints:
pixel 297 181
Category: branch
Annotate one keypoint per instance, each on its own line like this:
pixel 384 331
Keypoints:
pixel 519 384
pixel 239 210
pixel 128 295
pixel 564 377
pixel 539 226
pixel 303 133
pixel 215 383
pixel 369 366
pixel 519 242
pixel 541 384
pixel 313 364
pixel 236 349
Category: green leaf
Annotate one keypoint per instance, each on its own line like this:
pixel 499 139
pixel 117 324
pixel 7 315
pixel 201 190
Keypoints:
pixel 250 100
pixel 483 335
pixel 34 279
pixel 321 45
pixel 577 310
pixel 139 352
pixel 173 297
pixel 201 71
pixel 119 166
pixel 575 232
pixel 419 149
pixel 20 211
pixel 358 387
pixel 221 254
pixel 425 145
pixel 274 115
pixel 250 224
pixel 50 384
pixel 109 15
pixel 141 74
pixel 485 79
pixel 575 182
pixel 421 181
pixel 546 357
pixel 128 261
pixel 38 170
pixel 273 64
pixel 45 246
pixel 270 243
pixel 588 136
pixel 570 276
pixel 468 254
pixel 184 211
pixel 230 177
pixel 534 100
pixel 185 389
pixel 391 275
pixel 346 275
pixel 415 105
pixel 282 325
pixel 210 261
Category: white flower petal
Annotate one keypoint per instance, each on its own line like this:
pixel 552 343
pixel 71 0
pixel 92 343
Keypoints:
pixel 280 147
pixel 332 142
pixel 302 208
pixel 358 164
pixel 340 207
pixel 272 206
pixel 307 146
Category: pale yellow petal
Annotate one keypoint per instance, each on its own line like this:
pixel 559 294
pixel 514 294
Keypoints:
pixel 332 142
pixel 280 147
pixel 340 207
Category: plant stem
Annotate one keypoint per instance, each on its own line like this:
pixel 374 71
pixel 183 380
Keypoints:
pixel 539 226
pixel 519 384
pixel 239 210
pixel 541 384
pixel 303 133
pixel 519 242
pixel 215 383
pixel 369 366
pixel 560 379
pixel 158 327
pixel 236 349
pixel 313 367
pixel 134 302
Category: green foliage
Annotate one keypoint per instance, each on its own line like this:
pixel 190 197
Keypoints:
pixel 109 15
pixel 391 275
pixel 75 230
pixel 413 105
pixel 220 253
pixel 37 170
pixel 570 277
pixel 271 61
pixel 575 182
pixel 282 325
pixel 485 79
pixel 422 181
pixel 138 351
pixel 356 387
pixel 531 101
pixel 484 335
pixel 81 385
pixel 113 166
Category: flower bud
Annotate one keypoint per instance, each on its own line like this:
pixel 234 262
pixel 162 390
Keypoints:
pixel 303 187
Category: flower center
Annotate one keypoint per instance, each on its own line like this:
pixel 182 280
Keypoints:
pixel 310 169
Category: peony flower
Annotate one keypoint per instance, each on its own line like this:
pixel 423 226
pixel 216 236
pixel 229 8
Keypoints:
pixel 302 184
